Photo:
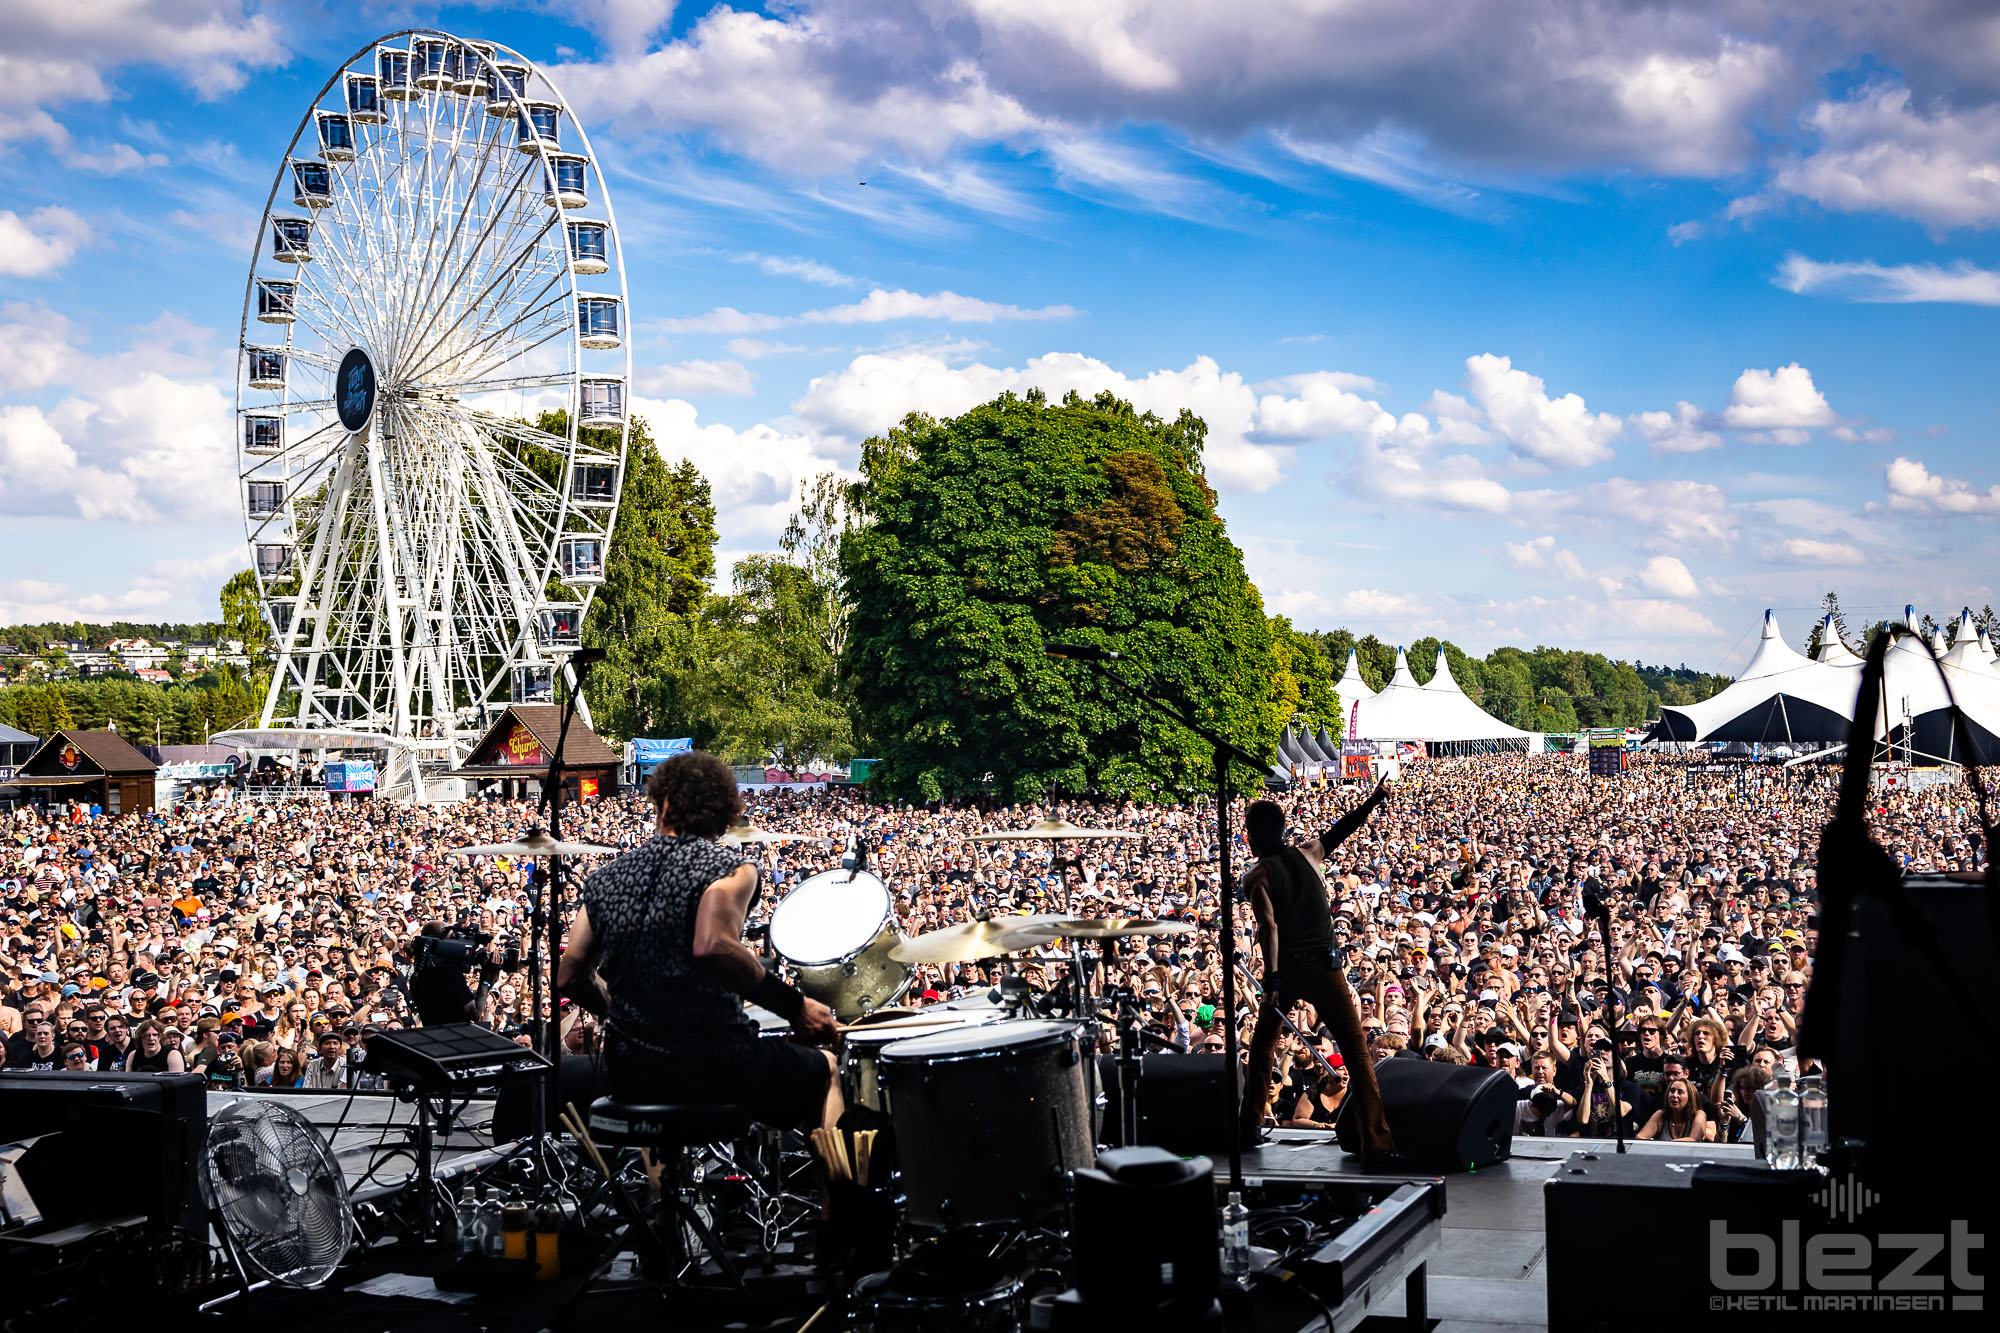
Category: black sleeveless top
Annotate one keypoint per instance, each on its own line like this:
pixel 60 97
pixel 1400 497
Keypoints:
pixel 1298 902
pixel 642 912
pixel 143 1063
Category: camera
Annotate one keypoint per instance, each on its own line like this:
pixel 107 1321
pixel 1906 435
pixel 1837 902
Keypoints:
pixel 459 948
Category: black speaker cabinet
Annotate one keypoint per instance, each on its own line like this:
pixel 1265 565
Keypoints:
pixel 110 1144
pixel 1886 980
pixel 1448 1117
pixel 579 1082
pixel 1180 1102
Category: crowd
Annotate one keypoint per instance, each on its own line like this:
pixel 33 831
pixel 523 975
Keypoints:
pixel 263 944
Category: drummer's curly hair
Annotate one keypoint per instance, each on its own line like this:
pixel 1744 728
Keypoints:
pixel 698 792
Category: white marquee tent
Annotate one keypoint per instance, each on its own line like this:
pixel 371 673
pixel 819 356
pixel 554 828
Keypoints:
pixel 1437 713
pixel 1784 696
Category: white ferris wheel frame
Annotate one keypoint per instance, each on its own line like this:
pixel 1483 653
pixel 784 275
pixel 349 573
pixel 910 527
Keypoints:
pixel 418 639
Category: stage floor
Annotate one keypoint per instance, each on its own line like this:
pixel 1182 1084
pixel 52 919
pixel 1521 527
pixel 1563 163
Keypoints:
pixel 1488 1274
pixel 1490 1271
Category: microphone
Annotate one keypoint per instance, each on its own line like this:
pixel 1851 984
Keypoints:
pixel 1082 652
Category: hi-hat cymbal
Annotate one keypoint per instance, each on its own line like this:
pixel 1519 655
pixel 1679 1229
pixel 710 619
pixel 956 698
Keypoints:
pixel 1049 830
pixel 1106 928
pixel 739 834
pixel 536 843
pixel 969 941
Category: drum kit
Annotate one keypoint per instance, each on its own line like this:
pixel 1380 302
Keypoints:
pixel 987 1104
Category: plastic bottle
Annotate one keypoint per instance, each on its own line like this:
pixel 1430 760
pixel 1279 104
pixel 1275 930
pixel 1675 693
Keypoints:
pixel 548 1234
pixel 1235 1239
pixel 490 1239
pixel 471 1245
pixel 1812 1115
pixel 514 1219
pixel 1783 1139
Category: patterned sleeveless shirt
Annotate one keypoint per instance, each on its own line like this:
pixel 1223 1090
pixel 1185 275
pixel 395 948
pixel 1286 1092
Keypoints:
pixel 642 912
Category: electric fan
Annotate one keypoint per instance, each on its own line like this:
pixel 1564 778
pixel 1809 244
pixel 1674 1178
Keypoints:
pixel 279 1199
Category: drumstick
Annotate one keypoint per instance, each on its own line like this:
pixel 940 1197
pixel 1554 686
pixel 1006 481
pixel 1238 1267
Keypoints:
pixel 863 1145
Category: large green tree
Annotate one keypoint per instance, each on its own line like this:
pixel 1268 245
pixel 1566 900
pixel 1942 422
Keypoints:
pixel 649 615
pixel 1024 523
pixel 242 616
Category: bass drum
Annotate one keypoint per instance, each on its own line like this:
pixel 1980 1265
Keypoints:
pixel 989 1122
pixel 861 1045
pixel 836 930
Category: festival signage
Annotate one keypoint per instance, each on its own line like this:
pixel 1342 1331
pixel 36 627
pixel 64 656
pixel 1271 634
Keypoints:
pixel 352 775
pixel 70 756
pixel 647 752
pixel 520 748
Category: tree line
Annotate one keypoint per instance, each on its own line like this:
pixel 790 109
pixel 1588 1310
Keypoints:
pixel 908 614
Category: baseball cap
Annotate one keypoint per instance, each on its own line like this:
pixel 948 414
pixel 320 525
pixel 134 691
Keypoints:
pixel 1488 996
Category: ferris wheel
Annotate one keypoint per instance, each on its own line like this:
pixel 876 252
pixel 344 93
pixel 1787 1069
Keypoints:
pixel 432 395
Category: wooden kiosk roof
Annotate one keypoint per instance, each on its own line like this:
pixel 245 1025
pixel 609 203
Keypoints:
pixel 521 741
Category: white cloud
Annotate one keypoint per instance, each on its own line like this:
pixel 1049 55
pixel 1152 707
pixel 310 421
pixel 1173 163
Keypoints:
pixel 35 346
pixel 752 349
pixel 1559 432
pixel 143 434
pixel 797 266
pixel 1666 576
pixel 755 473
pixel 1681 431
pixel 59 51
pixel 1912 486
pixel 1878 153
pixel 1811 551
pixel 693 379
pixel 1962 283
pixel 877 390
pixel 1864 434
pixel 1777 400
pixel 178 587
pixel 1665 515
pixel 40 243
pixel 878 307
pixel 1542 555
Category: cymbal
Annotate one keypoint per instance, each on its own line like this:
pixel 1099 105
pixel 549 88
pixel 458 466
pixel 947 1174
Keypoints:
pixel 1049 830
pixel 969 941
pixel 1109 928
pixel 740 834
pixel 537 843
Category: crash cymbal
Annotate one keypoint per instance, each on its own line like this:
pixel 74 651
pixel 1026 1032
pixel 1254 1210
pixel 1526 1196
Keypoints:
pixel 537 843
pixel 969 941
pixel 739 834
pixel 1049 830
pixel 1105 928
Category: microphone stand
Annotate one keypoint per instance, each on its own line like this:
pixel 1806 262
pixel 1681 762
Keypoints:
pixel 1599 911
pixel 1225 750
pixel 544 921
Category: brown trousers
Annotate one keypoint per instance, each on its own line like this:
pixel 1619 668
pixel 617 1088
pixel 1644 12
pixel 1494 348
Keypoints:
pixel 1307 977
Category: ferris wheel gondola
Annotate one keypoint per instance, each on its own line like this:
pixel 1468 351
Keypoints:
pixel 423 299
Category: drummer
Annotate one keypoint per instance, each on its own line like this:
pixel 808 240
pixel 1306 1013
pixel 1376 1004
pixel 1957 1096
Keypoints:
pixel 1295 934
pixel 658 952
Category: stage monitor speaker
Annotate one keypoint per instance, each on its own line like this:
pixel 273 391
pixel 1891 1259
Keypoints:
pixel 1886 979
pixel 1448 1117
pixel 116 1144
pixel 1180 1102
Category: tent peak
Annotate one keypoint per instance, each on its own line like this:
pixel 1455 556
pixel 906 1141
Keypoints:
pixel 1770 624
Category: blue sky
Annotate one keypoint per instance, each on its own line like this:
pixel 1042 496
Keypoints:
pixel 1589 323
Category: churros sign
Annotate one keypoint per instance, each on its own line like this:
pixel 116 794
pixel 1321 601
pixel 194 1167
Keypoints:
pixel 520 747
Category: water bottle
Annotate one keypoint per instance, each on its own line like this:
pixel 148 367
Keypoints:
pixel 1812 1113
pixel 1782 1135
pixel 471 1245
pixel 514 1224
pixel 1235 1239
pixel 490 1239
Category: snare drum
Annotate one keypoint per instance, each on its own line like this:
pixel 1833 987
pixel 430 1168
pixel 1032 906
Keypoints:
pixel 989 1121
pixel 837 929
pixel 860 1078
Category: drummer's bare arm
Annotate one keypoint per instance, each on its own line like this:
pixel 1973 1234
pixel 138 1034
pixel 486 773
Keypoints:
pixel 718 943
pixel 576 976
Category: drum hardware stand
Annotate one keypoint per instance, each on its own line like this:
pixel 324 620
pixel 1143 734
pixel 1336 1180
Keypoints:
pixel 1129 1060
pixel 1225 750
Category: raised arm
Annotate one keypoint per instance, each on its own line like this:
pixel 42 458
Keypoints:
pixel 1318 849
